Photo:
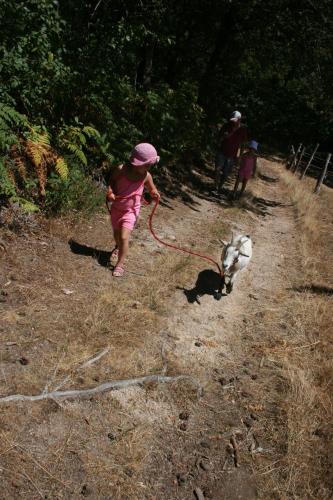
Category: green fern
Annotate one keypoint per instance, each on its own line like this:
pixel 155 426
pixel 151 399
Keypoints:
pixel 11 117
pixel 61 168
pixel 91 132
pixel 7 188
pixel 77 152
pixel 40 137
pixel 26 205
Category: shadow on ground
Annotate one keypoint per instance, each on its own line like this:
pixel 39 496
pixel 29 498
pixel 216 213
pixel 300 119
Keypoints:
pixel 102 256
pixel 208 283
pixel 317 289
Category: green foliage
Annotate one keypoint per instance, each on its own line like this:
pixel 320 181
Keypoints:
pixel 155 72
pixel 77 193
pixel 75 138
pixel 10 121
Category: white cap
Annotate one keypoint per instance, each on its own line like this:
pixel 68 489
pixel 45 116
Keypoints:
pixel 235 116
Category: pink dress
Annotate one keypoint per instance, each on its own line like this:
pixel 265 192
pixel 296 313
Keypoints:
pixel 247 166
pixel 125 209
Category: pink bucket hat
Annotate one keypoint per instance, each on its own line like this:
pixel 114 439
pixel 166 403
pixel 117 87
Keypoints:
pixel 144 154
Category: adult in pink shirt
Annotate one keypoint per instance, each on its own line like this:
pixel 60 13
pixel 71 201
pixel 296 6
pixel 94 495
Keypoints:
pixel 233 136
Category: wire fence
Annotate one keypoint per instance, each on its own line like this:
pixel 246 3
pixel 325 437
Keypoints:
pixel 305 160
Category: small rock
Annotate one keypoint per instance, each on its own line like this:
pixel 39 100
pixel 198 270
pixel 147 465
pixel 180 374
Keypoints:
pixel 198 494
pixel 24 361
pixel 254 416
pixel 204 465
pixel 184 415
pixel 254 376
pixel 223 381
pixel 180 479
pixel 111 436
pixel 183 426
pixel 252 296
pixel 136 304
pixel 67 292
pixel 85 490
pixel 198 344
pixel 207 493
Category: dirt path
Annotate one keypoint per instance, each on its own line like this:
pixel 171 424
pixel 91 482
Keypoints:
pixel 159 441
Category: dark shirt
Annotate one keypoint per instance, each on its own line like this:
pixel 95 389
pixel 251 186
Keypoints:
pixel 231 143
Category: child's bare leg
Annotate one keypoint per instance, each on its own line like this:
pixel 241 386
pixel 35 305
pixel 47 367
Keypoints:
pixel 243 186
pixel 116 235
pixel 236 185
pixel 123 244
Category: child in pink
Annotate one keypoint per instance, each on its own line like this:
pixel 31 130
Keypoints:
pixel 126 187
pixel 248 167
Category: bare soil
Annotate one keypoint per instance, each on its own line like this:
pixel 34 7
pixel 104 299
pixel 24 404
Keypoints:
pixel 60 305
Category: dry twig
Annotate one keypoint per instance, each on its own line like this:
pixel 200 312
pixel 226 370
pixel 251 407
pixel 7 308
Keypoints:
pixel 106 387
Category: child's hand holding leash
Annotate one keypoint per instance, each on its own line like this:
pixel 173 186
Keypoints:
pixel 155 194
pixel 110 197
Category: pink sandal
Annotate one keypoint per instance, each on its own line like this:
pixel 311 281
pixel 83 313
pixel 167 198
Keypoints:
pixel 118 271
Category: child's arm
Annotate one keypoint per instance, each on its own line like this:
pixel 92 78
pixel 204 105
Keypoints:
pixel 110 196
pixel 149 183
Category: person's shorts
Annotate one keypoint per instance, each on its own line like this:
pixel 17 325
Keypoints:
pixel 124 218
pixel 224 164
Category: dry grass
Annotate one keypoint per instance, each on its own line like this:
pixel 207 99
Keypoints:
pixel 72 439
pixel 306 357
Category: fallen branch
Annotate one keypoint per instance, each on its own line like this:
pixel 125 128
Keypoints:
pixel 235 450
pixel 107 386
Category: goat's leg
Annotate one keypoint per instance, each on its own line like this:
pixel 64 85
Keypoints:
pixel 230 285
pixel 218 295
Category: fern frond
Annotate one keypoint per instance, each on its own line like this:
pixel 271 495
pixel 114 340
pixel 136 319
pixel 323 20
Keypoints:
pixel 61 168
pixel 35 153
pixel 7 184
pixel 7 138
pixel 21 167
pixel 91 132
pixel 26 205
pixel 77 152
pixel 109 157
pixel 83 139
pixel 11 116
pixel 41 138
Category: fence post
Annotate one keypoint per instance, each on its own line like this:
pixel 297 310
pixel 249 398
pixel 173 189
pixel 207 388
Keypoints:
pixel 290 157
pixel 299 159
pixel 323 174
pixel 310 161
pixel 295 157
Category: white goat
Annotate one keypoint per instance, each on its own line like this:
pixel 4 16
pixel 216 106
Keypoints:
pixel 235 256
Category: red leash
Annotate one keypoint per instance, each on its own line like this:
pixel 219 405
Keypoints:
pixel 184 250
pixel 196 254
